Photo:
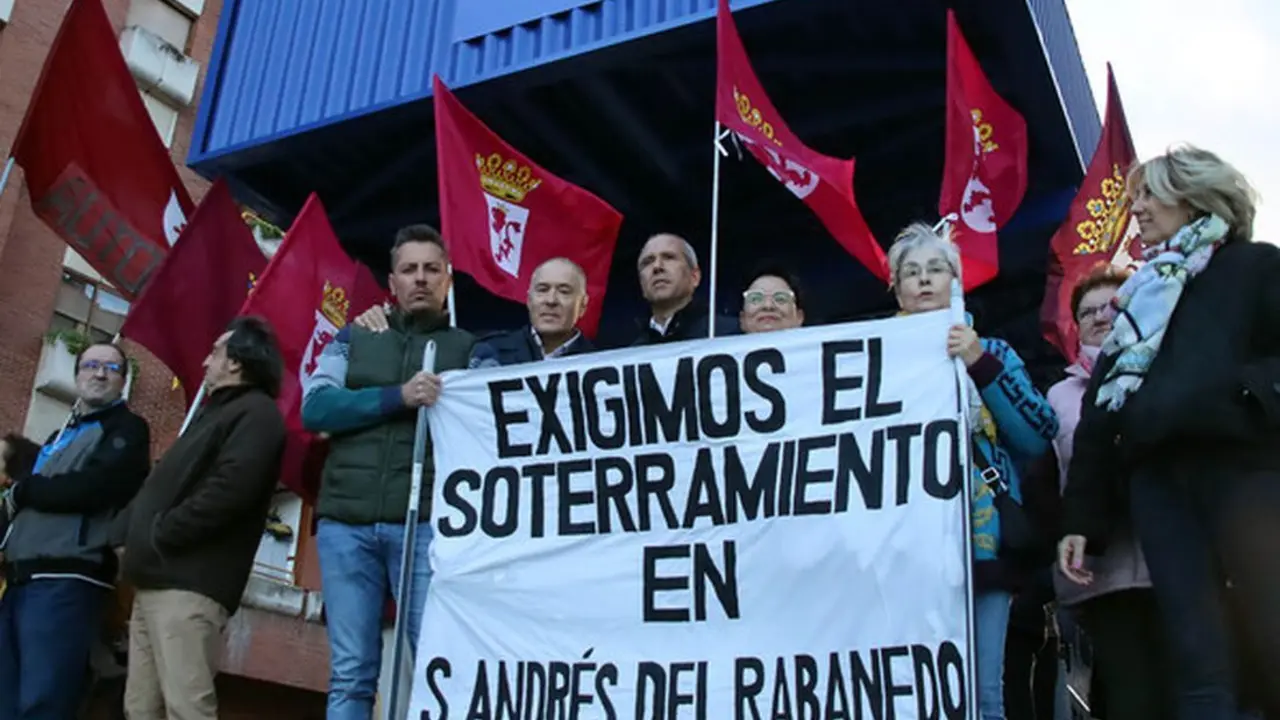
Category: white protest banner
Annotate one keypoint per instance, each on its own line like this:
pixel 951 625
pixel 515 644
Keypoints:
pixel 764 526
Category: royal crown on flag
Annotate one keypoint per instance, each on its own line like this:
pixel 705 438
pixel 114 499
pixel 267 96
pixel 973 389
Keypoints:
pixel 752 116
pixel 984 130
pixel 504 178
pixel 1108 216
pixel 335 304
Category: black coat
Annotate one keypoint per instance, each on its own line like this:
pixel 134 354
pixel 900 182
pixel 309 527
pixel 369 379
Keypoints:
pixel 514 347
pixel 1212 391
pixel 692 322
pixel 197 523
pixel 66 510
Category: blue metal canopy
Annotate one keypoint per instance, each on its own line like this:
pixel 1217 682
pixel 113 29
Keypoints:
pixel 333 96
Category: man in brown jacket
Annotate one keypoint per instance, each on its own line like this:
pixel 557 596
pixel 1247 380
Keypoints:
pixel 192 532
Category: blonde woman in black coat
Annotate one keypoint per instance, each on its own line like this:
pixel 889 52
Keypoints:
pixel 1180 426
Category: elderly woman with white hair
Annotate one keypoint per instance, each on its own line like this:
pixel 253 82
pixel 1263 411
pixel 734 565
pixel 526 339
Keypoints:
pixel 1180 428
pixel 1011 424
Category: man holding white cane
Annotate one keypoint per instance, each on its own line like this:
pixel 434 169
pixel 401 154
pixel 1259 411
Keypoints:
pixel 365 394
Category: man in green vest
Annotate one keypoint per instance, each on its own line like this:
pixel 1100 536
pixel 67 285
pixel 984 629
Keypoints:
pixel 364 394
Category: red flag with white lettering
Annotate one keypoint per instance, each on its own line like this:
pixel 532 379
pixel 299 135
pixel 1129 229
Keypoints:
pixel 198 289
pixel 822 182
pixel 1098 228
pixel 985 175
pixel 502 214
pixel 97 171
pixel 309 289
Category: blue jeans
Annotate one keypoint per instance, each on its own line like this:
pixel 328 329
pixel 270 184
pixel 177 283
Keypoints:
pixel 46 630
pixel 359 566
pixel 991 625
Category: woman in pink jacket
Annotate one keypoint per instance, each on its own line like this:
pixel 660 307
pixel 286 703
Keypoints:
pixel 1117 609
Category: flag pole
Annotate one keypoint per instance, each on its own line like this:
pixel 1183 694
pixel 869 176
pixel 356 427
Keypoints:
pixel 453 315
pixel 4 178
pixel 945 223
pixel 191 412
pixel 404 591
pixel 966 505
pixel 716 151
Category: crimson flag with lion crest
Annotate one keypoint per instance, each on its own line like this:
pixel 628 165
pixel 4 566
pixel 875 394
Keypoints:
pixel 502 215
pixel 307 292
pixel 823 183
pixel 985 175
pixel 1098 228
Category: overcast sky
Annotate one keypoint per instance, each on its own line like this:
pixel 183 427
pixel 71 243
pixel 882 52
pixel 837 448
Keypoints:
pixel 1193 71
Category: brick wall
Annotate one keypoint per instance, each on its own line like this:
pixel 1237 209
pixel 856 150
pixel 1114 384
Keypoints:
pixel 31 254
pixel 282 649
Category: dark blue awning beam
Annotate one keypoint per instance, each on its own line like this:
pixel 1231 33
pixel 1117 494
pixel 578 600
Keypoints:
pixel 625 118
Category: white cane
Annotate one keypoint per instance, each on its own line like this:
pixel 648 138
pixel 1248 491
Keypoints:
pixel 405 589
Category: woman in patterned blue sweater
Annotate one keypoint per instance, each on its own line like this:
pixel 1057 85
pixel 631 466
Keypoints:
pixel 1012 424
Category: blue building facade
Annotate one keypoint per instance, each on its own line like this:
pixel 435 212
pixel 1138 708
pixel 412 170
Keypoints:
pixel 334 96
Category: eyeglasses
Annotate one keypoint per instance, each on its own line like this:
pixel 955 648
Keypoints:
pixel 1089 312
pixel 912 271
pixel 755 298
pixel 94 366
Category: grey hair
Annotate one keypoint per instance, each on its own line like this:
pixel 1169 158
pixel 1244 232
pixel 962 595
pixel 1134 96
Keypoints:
pixel 1202 181
pixel 920 235
pixel 690 255
pixel 577 269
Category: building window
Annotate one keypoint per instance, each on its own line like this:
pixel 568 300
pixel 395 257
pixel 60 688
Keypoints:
pixel 89 307
pixel 162 19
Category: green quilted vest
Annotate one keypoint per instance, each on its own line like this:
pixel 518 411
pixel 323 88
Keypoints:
pixel 367 473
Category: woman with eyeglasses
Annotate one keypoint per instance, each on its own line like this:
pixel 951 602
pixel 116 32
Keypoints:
pixel 1011 423
pixel 772 301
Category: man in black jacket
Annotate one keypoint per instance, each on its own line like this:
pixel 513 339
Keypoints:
pixel 669 274
pixel 191 534
pixel 57 555
pixel 557 301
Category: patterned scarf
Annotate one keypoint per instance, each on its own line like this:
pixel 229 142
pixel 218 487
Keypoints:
pixel 1146 301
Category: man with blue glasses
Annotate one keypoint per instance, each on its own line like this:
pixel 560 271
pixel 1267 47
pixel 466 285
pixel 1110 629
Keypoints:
pixel 57 556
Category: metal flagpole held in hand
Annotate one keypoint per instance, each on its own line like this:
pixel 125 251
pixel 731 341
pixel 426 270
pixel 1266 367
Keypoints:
pixel 962 388
pixel 405 587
